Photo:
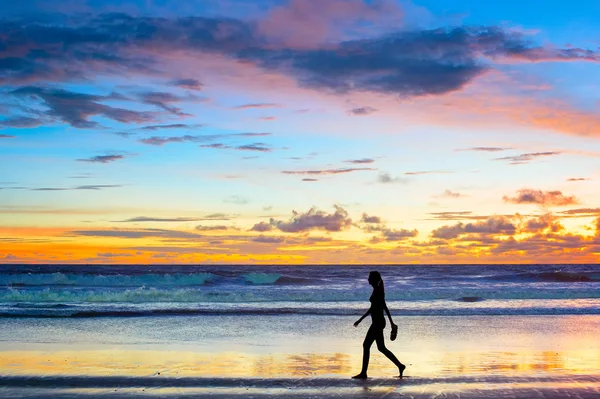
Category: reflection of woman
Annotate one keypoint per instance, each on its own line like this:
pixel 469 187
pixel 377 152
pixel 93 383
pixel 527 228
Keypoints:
pixel 375 332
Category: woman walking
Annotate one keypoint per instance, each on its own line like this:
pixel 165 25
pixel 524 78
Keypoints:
pixel 375 332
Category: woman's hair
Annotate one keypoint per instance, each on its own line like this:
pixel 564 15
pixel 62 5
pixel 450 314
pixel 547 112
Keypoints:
pixel 375 276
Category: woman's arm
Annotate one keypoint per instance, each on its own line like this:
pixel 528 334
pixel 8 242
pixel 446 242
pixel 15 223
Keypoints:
pixel 388 313
pixel 361 319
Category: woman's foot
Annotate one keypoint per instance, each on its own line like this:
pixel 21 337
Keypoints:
pixel 401 369
pixel 361 376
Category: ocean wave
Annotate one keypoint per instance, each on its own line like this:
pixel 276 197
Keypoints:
pixel 283 311
pixel 549 277
pixel 19 280
pixel 208 294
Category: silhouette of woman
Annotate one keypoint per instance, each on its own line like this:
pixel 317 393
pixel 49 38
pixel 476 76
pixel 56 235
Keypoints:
pixel 375 332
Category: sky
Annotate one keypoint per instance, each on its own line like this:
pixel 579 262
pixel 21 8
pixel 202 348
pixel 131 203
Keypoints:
pixel 299 132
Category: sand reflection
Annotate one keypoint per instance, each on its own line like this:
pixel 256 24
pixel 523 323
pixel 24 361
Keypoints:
pixel 235 364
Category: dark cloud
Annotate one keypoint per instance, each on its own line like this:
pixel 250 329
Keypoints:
pixel 544 198
pixel 308 179
pixel 19 122
pixel 577 179
pixel 360 161
pixel 76 108
pixel 262 227
pixel 526 158
pixel 190 84
pixel 6 136
pixel 324 171
pixel 362 111
pixel 257 105
pixel 103 158
pixel 268 239
pixel 370 219
pixel 409 63
pixel 386 178
pixel 315 219
pixel 493 225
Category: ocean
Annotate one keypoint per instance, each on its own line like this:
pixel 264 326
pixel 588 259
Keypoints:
pixel 476 331
pixel 68 291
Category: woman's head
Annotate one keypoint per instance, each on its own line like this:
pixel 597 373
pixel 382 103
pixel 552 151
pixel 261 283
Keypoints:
pixel 375 279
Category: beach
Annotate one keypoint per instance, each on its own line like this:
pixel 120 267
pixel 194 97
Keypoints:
pixel 299 356
pixel 468 348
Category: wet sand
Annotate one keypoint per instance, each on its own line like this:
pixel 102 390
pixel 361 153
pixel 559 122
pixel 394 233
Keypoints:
pixel 299 356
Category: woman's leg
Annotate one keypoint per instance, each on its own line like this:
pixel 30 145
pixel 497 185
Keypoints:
pixel 388 353
pixel 369 338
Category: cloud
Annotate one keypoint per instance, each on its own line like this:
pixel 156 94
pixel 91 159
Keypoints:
pixel 313 220
pixel 545 222
pixel 268 239
pixel 429 172
pixel 217 146
pixel 257 105
pixel 170 126
pixel 308 179
pixel 76 108
pixel 399 235
pixel 262 227
pixel 585 212
pixel 103 158
pixel 236 199
pixel 164 100
pixel 360 161
pixel 370 219
pixel 449 194
pixel 159 141
pixel 260 147
pixel 6 136
pixel 525 158
pixel 462 215
pixel 190 84
pixel 19 122
pixel 493 225
pixel 86 187
pixel 544 198
pixel 139 219
pixel 97 186
pixel 577 179
pixel 211 228
pixel 324 171
pixel 386 178
pixel 407 63
pixel 486 149
pixel 140 233
pixel 361 111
